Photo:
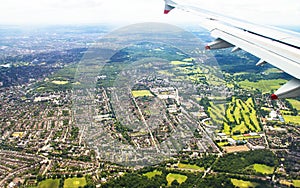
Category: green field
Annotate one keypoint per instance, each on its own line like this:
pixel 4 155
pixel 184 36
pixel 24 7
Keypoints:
pixel 190 167
pixel 216 112
pixel 74 182
pixel 264 169
pixel 49 183
pixel 152 174
pixel 179 63
pixel 243 184
pixel 292 119
pixel 221 144
pixel 57 82
pixel 263 85
pixel 142 93
pixel 296 183
pixel 180 178
pixel 295 103
pixel 241 117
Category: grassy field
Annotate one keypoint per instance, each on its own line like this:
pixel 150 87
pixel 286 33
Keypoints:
pixel 263 85
pixel 295 103
pixel 141 93
pixel 226 128
pixel 217 112
pixel 222 144
pixel 190 167
pixel 74 182
pixel 243 184
pixel 296 183
pixel 292 119
pixel 60 82
pixel 264 169
pixel 152 174
pixel 180 178
pixel 242 115
pixel 49 183
pixel 179 63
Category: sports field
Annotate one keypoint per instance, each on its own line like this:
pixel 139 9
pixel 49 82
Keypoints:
pixel 180 178
pixel 49 183
pixel 242 115
pixel 141 93
pixel 232 149
pixel 74 182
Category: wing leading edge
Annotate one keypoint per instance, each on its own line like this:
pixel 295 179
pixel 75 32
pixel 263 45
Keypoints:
pixel 278 47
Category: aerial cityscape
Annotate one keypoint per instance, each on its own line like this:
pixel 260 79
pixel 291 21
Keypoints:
pixel 82 107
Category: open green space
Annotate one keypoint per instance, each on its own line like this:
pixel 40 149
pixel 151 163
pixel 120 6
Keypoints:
pixel 296 183
pixel 74 182
pixel 248 162
pixel 216 112
pixel 295 103
pixel 152 174
pixel 180 178
pixel 264 169
pixel 180 63
pixel 190 167
pixel 57 82
pixel 263 85
pixel 221 144
pixel 241 117
pixel 243 184
pixel 141 93
pixel 292 119
pixel 49 183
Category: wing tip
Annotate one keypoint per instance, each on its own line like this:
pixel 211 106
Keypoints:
pixel 274 97
pixel 166 11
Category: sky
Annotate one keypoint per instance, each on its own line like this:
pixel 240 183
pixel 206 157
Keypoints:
pixel 19 12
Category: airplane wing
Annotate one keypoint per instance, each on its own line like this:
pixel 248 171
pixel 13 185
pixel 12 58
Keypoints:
pixel 275 46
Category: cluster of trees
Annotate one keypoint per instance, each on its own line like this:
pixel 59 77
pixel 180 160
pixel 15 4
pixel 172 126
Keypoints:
pixel 238 162
pixel 138 180
pixel 205 103
pixel 206 161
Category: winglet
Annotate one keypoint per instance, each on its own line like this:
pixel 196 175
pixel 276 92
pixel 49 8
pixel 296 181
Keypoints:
pixel 168 8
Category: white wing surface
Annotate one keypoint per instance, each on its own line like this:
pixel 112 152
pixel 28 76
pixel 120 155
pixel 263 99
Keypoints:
pixel 275 46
